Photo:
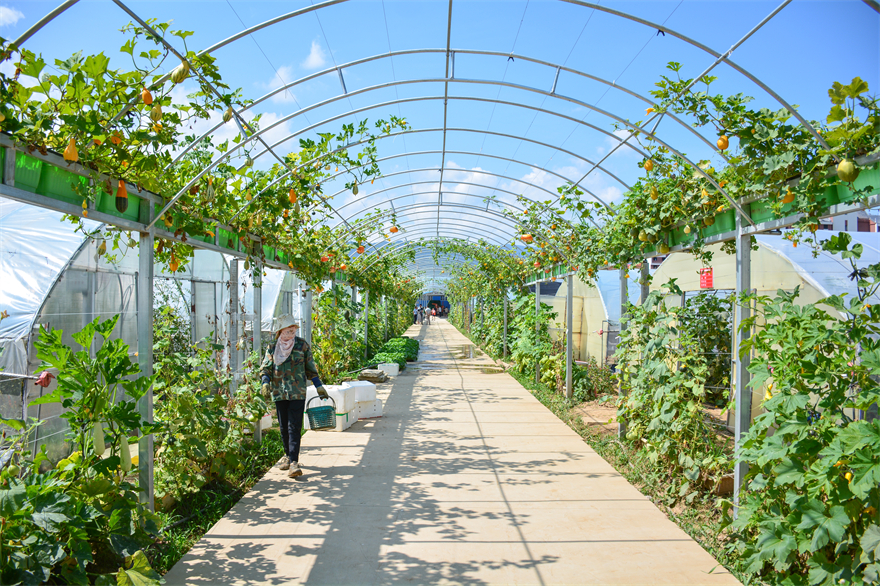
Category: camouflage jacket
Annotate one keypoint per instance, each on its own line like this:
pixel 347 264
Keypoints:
pixel 290 378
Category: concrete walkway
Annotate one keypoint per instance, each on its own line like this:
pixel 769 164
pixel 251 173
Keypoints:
pixel 467 479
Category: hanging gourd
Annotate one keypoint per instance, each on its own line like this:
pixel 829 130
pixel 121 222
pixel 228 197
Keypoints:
pixel 649 165
pixel 723 143
pixel 70 154
pixel 227 115
pixel 156 113
pixel 98 438
pixel 361 249
pixel 393 229
pixel 147 97
pixel 180 73
pixel 354 190
pixel 121 197
pixel 291 196
pixel 124 456
pixel 248 162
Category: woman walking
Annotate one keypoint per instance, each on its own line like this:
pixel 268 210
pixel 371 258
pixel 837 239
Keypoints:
pixel 285 369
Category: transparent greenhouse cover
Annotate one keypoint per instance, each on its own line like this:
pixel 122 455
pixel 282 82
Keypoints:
pixel 827 272
pixel 35 246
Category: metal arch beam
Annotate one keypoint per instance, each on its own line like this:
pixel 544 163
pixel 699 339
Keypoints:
pixel 393 211
pixel 652 25
pixel 385 85
pixel 507 221
pixel 407 208
pixel 229 153
pixel 470 220
pixel 492 238
pixel 50 16
pixel 712 52
pixel 445 113
pixel 405 246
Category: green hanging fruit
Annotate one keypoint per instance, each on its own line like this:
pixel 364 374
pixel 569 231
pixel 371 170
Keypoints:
pixel 847 171
pixel 354 190
pixel 156 113
pixel 643 236
pixel 180 72
pixel 125 456
pixel 663 248
pixel 98 438
pixel 227 115
pixel 248 162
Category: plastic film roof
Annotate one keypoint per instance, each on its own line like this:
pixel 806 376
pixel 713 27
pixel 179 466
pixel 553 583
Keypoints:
pixel 504 98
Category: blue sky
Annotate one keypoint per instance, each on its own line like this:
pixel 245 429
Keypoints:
pixel 800 53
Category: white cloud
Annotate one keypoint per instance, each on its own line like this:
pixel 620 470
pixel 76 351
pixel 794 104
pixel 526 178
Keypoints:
pixel 284 76
pixel 317 57
pixel 9 16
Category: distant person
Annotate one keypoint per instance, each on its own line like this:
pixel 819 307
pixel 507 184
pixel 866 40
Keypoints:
pixel 416 314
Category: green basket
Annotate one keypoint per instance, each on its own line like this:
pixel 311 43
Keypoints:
pixel 323 417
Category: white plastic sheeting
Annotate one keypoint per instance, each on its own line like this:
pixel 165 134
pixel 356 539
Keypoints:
pixel 828 273
pixel 35 246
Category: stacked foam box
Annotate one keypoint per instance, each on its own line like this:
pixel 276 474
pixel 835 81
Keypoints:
pixel 344 396
pixel 390 368
pixel 368 406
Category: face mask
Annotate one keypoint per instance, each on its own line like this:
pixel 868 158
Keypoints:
pixel 287 334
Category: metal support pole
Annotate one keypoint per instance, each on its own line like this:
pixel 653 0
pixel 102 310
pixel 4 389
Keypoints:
pixel 258 329
pixel 145 353
pixel 644 287
pixel 504 336
pixel 234 321
pixel 353 312
pixel 743 400
pixel 624 300
pixel 193 330
pixel 569 346
pixel 307 317
pixel 366 325
pixel 537 327
pixel 385 317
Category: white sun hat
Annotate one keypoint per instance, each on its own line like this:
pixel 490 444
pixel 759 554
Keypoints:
pixel 284 321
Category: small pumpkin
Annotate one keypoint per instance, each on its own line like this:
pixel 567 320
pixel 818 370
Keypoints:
pixel 70 153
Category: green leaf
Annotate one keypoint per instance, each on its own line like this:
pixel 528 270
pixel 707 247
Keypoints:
pixel 49 521
pixel 836 114
pixel 788 471
pixel 137 572
pixel 825 525
pixel 12 499
pixel 18 424
pixel 870 541
pixel 856 87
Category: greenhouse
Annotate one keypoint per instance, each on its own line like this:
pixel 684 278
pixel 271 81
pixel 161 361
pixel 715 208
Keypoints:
pixel 526 292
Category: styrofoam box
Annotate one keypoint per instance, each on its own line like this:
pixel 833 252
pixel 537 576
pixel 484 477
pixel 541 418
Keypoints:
pixel 266 421
pixel 343 421
pixel 369 409
pixel 344 397
pixel 390 368
pixel 364 390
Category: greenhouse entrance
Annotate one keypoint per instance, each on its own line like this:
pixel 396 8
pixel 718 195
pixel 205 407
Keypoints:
pixel 467 478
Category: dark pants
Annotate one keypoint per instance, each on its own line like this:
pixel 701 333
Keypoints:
pixel 290 420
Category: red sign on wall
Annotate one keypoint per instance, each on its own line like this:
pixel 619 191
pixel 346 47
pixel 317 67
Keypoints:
pixel 706 278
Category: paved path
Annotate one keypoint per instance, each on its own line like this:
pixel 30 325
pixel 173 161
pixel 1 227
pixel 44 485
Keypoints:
pixel 467 479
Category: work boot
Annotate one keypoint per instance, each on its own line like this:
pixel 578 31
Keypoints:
pixel 295 470
pixel 284 463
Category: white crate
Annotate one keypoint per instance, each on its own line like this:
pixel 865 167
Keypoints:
pixel 369 409
pixel 390 368
pixel 363 390
pixel 266 421
pixel 343 395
